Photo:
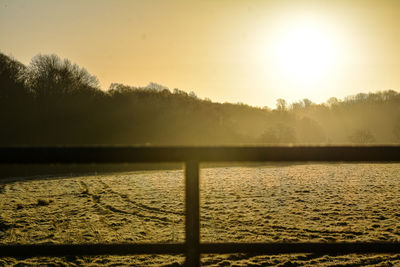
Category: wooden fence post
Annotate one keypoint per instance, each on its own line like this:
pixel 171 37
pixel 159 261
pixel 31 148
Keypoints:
pixel 192 205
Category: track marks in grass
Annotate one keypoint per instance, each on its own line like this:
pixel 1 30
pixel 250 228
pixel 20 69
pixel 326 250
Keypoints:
pixel 137 205
pixel 135 210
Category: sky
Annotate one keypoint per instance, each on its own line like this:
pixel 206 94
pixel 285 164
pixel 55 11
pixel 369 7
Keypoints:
pixel 252 52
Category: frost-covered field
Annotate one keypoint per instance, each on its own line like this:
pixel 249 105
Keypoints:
pixel 297 202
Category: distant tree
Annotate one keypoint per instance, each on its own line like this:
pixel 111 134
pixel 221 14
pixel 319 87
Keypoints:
pixel 192 94
pixel 390 94
pixel 180 92
pixel 156 86
pixel 307 102
pixel 118 88
pixel 11 78
pixel 362 136
pixel 48 75
pixel 281 104
pixel 296 106
pixel 278 134
pixel 361 97
pixel 333 101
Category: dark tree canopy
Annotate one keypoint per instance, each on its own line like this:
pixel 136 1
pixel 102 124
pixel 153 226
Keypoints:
pixel 11 77
pixel 48 75
pixel 53 101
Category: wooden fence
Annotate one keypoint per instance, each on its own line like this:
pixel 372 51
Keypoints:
pixel 192 156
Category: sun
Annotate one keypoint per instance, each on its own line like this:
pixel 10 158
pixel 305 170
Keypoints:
pixel 306 53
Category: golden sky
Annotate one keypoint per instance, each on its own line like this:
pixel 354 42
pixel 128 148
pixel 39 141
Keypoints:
pixel 230 51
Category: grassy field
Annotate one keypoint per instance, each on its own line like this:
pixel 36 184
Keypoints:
pixel 254 203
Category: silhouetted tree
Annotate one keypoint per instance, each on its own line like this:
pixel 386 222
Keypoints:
pixel 362 136
pixel 307 102
pixel 53 101
pixel 48 75
pixel 11 78
pixel 281 104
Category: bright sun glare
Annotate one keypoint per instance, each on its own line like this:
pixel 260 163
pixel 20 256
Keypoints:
pixel 305 53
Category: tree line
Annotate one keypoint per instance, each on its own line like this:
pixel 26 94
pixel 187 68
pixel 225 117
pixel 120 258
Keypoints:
pixel 52 101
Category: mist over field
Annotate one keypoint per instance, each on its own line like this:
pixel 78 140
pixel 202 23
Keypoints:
pixel 55 102
pixel 52 101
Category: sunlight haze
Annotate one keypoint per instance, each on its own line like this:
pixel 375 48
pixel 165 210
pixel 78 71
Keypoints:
pixel 199 133
pixel 229 51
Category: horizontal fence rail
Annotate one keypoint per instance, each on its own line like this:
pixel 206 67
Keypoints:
pixel 43 155
pixel 192 156
pixel 338 248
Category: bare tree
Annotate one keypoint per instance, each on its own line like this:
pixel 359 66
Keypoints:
pixel 49 75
